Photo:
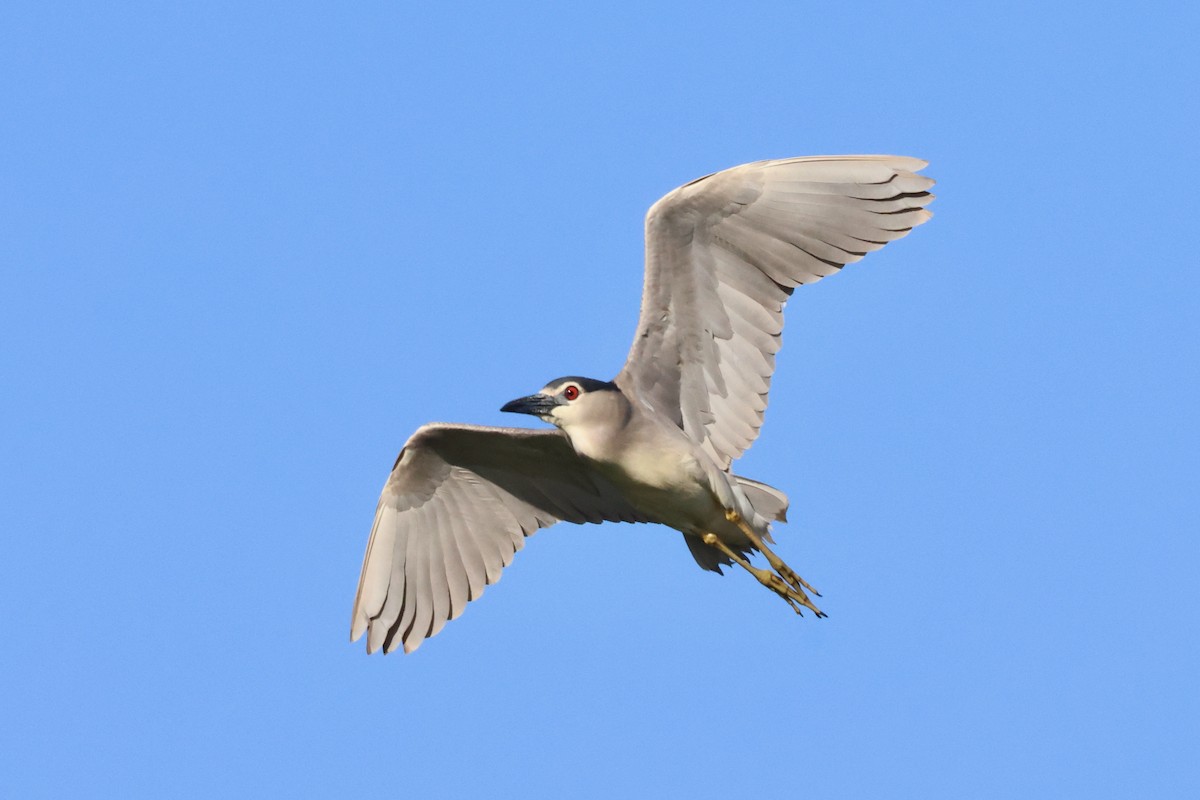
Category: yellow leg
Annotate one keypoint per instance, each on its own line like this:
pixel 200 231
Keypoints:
pixel 792 596
pixel 777 563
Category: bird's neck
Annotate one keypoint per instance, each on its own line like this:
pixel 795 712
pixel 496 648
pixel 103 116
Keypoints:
pixel 606 432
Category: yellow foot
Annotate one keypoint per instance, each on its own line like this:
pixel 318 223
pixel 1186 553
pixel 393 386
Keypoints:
pixel 793 596
pixel 777 563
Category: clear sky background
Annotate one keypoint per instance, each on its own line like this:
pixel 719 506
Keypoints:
pixel 247 249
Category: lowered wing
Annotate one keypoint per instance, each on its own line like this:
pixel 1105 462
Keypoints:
pixel 459 503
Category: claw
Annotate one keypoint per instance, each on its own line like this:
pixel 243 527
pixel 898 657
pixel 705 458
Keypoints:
pixel 793 595
pixel 777 563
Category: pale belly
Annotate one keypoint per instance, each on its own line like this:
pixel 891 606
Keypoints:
pixel 662 479
pixel 677 497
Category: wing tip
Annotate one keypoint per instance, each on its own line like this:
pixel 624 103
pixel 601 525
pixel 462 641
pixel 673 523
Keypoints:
pixel 908 163
pixel 918 164
pixel 358 626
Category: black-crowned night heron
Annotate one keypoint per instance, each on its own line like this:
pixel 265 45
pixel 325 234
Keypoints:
pixel 655 444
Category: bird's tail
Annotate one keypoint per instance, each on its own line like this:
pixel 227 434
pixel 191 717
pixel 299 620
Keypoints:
pixel 767 500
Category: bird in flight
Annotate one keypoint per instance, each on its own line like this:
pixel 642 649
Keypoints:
pixel 657 442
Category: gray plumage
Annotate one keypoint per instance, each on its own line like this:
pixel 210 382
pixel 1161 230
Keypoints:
pixel 723 254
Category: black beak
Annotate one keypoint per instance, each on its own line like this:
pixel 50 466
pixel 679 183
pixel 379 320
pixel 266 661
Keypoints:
pixel 538 405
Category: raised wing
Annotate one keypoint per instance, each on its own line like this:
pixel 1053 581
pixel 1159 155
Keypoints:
pixel 724 252
pixel 459 503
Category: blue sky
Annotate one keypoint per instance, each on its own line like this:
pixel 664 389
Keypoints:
pixel 248 249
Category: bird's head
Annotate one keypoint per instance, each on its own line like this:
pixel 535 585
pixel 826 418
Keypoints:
pixel 574 404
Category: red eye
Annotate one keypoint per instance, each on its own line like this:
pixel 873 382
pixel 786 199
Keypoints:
pixel 571 392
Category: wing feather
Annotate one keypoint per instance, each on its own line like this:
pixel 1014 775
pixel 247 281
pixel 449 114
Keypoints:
pixel 458 505
pixel 407 593
pixel 723 254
